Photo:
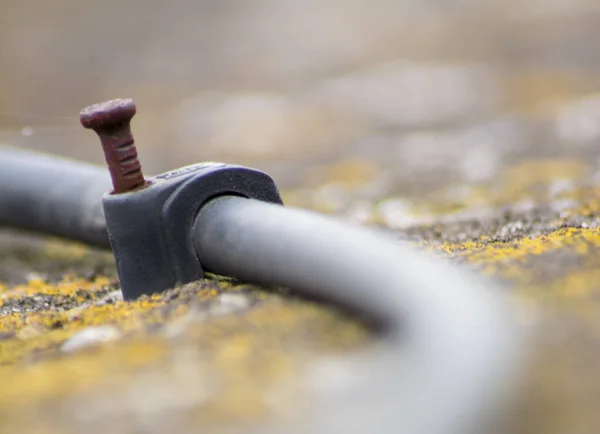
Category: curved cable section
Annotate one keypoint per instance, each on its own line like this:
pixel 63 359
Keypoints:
pixel 448 353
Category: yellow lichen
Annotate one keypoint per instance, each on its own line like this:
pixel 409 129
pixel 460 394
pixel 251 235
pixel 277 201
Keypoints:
pixel 560 269
pixel 69 286
pixel 59 250
pixel 246 353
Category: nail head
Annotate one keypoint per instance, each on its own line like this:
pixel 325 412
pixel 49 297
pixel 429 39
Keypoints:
pixel 107 113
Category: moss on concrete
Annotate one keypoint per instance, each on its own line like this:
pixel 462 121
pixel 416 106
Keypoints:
pixel 247 352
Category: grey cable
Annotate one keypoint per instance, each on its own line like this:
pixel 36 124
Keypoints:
pixel 53 195
pixel 449 352
pixel 449 349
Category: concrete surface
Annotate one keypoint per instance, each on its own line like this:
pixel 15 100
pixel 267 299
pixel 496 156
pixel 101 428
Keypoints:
pixel 468 128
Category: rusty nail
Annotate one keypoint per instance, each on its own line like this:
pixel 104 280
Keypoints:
pixel 110 120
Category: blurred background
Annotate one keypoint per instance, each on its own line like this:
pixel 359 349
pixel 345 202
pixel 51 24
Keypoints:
pixel 345 102
pixel 401 113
